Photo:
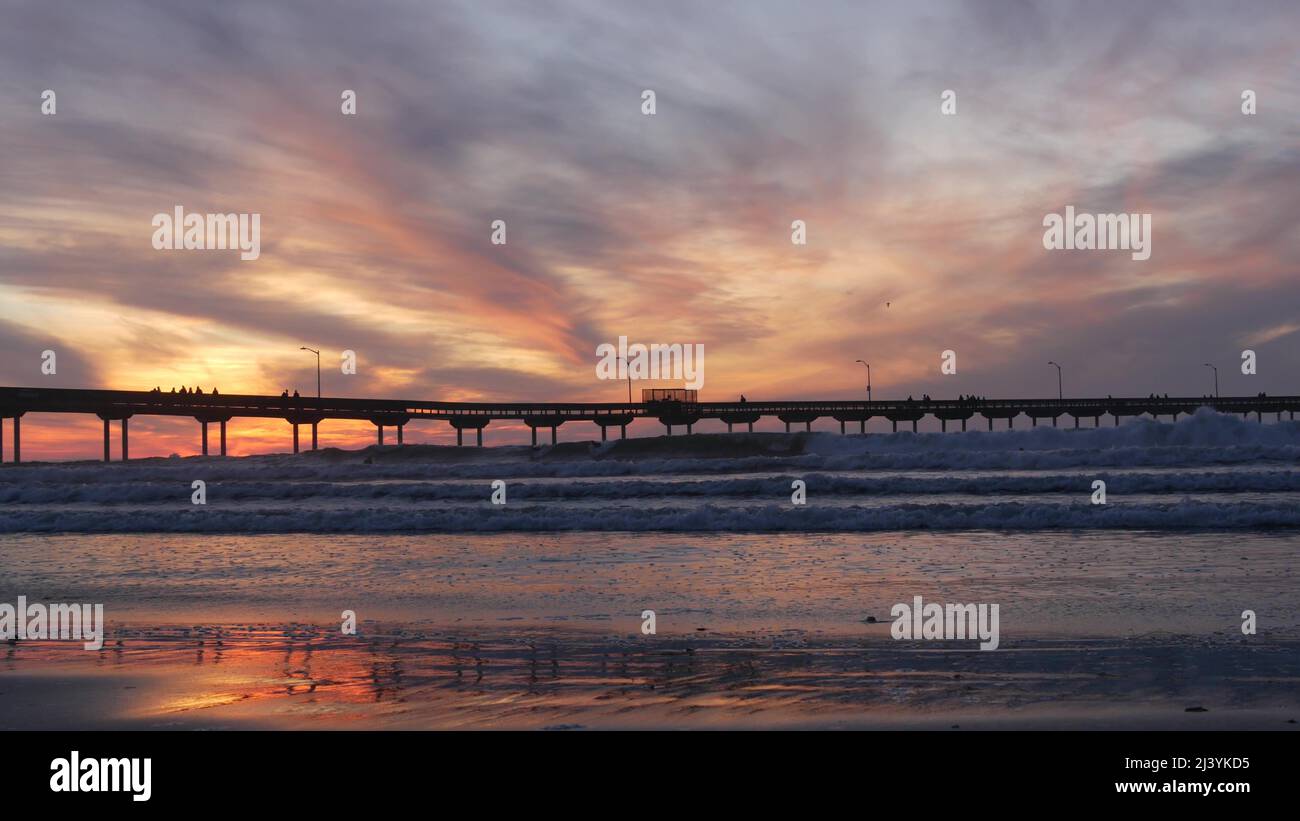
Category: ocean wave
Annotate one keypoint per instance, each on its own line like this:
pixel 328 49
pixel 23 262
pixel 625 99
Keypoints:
pixel 822 484
pixel 1181 515
pixel 1203 439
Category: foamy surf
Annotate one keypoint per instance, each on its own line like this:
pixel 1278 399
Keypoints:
pixel 1208 471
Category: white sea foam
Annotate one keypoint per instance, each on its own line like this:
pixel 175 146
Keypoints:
pixel 1186 514
pixel 701 483
pixel 887 484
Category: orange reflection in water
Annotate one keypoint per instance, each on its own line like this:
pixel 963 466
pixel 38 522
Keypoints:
pixel 302 677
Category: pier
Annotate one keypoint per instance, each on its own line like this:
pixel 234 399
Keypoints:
pixel 216 410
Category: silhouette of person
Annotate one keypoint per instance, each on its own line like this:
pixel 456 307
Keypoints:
pixel 295 394
pixel 742 397
pixel 285 395
pixel 214 390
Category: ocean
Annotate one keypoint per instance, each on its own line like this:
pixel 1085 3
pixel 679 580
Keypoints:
pixel 771 565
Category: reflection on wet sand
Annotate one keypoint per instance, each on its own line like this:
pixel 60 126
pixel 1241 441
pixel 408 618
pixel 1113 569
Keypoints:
pixel 303 676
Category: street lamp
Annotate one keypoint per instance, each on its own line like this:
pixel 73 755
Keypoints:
pixel 313 350
pixel 868 380
pixel 1216 378
pixel 1060 393
pixel 629 379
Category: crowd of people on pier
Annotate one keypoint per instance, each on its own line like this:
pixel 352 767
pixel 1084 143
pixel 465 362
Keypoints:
pixel 198 391
pixel 962 399
pixel 184 391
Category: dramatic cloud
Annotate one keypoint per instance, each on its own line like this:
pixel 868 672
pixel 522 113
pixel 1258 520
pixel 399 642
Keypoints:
pixel 666 228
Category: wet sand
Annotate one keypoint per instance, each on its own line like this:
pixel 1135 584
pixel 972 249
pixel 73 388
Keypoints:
pixel 1098 629
pixel 304 677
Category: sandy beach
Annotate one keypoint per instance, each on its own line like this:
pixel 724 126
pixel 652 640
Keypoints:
pixel 475 615
pixel 302 678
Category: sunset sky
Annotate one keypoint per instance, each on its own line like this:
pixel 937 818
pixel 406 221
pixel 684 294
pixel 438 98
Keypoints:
pixel 673 227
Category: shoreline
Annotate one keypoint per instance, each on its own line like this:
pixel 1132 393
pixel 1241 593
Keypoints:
pixel 304 677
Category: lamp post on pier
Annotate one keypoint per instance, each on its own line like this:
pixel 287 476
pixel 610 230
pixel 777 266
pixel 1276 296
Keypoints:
pixel 313 350
pixel 868 379
pixel 1216 378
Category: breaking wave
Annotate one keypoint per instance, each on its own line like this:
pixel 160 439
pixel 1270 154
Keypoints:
pixel 706 482
pixel 1182 515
